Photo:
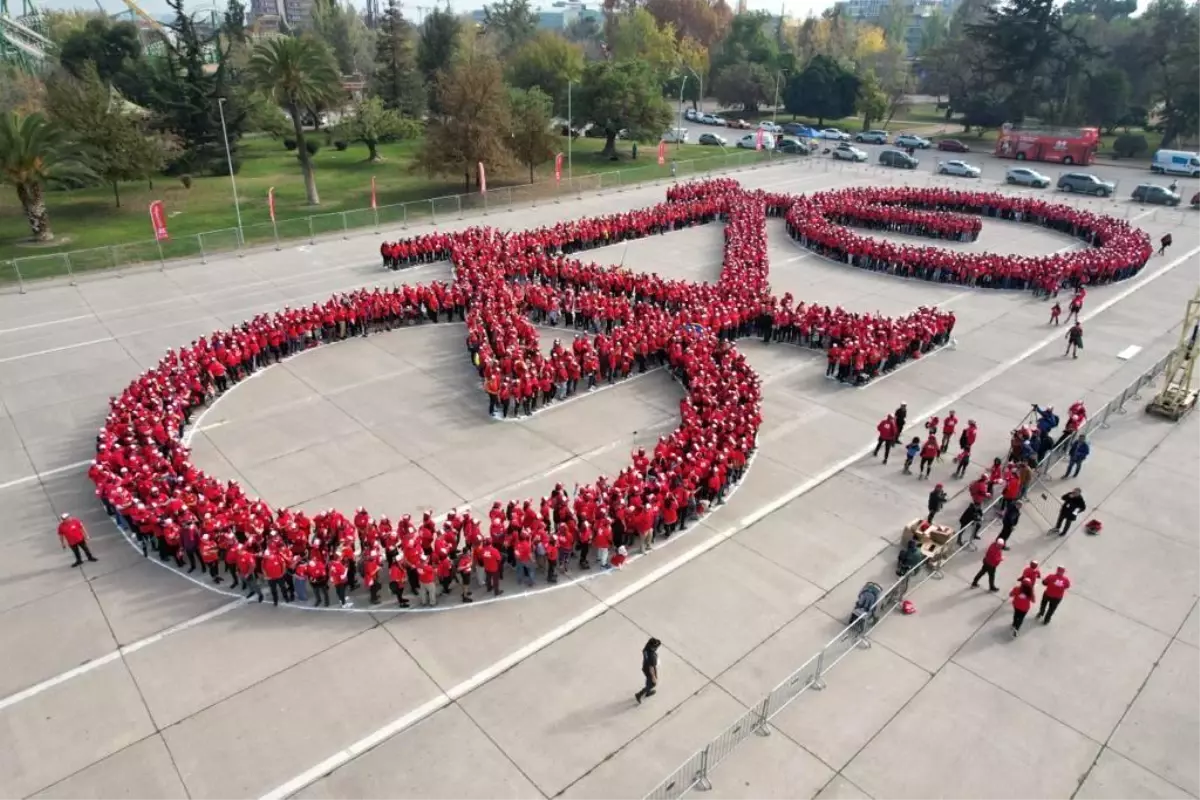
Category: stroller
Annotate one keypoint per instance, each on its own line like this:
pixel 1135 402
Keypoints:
pixel 863 616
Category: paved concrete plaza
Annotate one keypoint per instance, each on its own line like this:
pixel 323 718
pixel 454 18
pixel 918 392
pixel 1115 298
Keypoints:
pixel 126 679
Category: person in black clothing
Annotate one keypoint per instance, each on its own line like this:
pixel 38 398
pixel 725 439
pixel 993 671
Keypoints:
pixel 937 500
pixel 1008 522
pixel 971 518
pixel 649 670
pixel 900 415
pixel 1072 506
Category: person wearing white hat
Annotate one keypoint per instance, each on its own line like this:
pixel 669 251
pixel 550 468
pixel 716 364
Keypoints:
pixel 71 533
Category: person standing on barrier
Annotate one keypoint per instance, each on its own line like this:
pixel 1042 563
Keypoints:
pixel 649 670
pixel 1056 588
pixel 1072 506
pixel 1080 450
pixel 1022 601
pixel 992 558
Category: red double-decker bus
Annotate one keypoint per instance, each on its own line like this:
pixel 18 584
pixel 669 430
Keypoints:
pixel 1075 146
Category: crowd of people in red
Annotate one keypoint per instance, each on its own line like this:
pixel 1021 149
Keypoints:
pixel 502 283
pixel 1117 250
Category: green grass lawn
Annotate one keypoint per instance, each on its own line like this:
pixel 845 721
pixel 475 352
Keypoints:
pixel 89 218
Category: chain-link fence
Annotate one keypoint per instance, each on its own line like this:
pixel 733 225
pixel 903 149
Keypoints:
pixel 696 771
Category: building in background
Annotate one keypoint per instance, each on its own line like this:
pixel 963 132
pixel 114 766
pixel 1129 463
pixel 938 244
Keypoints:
pixel 560 16
pixel 919 12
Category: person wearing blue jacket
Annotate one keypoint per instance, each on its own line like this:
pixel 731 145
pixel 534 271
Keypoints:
pixel 1080 450
pixel 1047 419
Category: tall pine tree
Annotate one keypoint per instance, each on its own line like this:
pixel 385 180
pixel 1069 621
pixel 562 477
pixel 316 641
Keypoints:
pixel 397 81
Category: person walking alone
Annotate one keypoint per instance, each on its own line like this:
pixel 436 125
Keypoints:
pixel 1056 588
pixel 1072 506
pixel 1022 600
pixel 991 559
pixel 72 534
pixel 1074 340
pixel 649 670
pixel 937 501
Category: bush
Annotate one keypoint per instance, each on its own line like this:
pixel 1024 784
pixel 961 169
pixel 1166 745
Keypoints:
pixel 221 168
pixel 312 146
pixel 186 180
pixel 341 144
pixel 1129 145
pixel 289 143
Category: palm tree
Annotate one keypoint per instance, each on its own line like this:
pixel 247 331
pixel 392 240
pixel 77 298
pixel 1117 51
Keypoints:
pixel 34 152
pixel 300 74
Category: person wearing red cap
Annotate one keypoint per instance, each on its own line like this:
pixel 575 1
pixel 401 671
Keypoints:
pixel 991 559
pixel 1022 600
pixel 72 534
pixel 1056 588
pixel 937 501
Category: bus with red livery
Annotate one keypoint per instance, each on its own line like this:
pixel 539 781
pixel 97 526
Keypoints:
pixel 1073 146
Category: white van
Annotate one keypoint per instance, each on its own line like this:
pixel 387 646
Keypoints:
pixel 676 136
pixel 1176 162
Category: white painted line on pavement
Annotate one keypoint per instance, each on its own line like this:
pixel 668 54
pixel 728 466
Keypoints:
pixel 381 735
pixel 39 475
pixel 47 352
pixel 1129 352
pixel 45 324
pixel 108 658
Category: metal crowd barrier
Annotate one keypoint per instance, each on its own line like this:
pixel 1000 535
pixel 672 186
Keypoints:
pixel 696 771
pixel 201 247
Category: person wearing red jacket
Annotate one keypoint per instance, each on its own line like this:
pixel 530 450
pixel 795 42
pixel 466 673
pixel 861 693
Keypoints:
pixel 888 433
pixel 991 559
pixel 1056 588
pixel 396 578
pixel 274 568
pixel 949 425
pixel 492 562
pixel 929 451
pixel 427 580
pixel 318 576
pixel 1022 600
pixel 247 570
pixel 339 576
pixel 72 534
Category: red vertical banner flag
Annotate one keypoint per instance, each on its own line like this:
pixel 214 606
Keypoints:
pixel 558 168
pixel 758 140
pixel 482 179
pixel 373 200
pixel 271 202
pixel 158 219
pixel 662 153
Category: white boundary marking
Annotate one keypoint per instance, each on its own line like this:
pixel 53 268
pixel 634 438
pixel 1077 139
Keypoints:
pixel 37 476
pixel 377 737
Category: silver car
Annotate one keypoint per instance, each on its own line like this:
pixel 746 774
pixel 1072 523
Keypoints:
pixel 846 152
pixel 1024 176
pixel 959 168
pixel 914 141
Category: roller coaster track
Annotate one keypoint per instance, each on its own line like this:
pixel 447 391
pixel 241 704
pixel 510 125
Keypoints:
pixel 19 42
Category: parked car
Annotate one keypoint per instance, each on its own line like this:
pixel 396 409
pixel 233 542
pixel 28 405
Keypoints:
pixel 769 127
pixel 1156 195
pixel 740 124
pixel 1175 162
pixel 898 158
pixel 913 141
pixel 847 152
pixel 835 135
pixel 1085 183
pixel 960 169
pixel 1024 176
pixel 795 128
pixel 712 119
pixel 676 136
pixel 872 137
pixel 750 142
pixel 793 146
pixel 952 146
pixel 692 115
pixel 712 139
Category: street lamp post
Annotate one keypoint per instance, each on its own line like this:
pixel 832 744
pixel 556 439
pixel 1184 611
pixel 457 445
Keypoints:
pixel 679 127
pixel 775 112
pixel 570 131
pixel 700 84
pixel 237 206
